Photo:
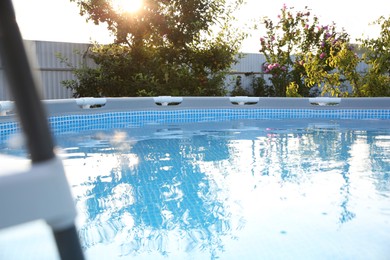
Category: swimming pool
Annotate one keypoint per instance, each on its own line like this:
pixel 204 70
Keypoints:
pixel 283 181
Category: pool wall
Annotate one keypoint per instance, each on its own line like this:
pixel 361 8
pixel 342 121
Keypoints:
pixel 67 115
pixel 59 107
pixel 69 106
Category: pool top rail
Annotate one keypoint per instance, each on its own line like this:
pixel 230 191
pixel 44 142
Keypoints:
pixel 60 107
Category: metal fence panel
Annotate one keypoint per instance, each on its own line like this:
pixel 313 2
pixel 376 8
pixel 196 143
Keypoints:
pixel 50 70
pixel 247 69
pixel 4 90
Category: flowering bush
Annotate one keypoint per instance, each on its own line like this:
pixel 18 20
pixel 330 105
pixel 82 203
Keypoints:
pixel 302 54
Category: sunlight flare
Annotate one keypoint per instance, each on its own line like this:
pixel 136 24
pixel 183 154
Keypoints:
pixel 127 6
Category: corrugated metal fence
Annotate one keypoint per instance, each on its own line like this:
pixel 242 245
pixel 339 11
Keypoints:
pixel 248 68
pixel 52 71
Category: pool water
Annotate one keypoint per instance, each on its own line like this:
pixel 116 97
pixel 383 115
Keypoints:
pixel 258 189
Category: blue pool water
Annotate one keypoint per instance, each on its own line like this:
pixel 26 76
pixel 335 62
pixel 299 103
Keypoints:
pixel 250 189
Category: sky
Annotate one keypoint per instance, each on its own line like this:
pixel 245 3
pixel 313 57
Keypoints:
pixel 59 20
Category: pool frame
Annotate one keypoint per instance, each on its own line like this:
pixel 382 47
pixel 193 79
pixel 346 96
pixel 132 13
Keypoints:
pixel 70 115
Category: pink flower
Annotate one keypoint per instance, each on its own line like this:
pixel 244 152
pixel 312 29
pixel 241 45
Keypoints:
pixel 322 55
pixel 273 66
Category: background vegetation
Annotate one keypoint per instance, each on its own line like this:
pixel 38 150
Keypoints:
pixel 186 48
pixel 306 58
pixel 176 47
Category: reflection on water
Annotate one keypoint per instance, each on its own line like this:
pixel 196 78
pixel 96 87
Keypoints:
pixel 188 191
pixel 163 196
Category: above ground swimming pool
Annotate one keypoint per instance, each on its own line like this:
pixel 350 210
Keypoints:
pixel 216 178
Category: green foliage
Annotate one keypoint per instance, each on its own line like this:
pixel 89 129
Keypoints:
pixel 292 90
pixel 238 90
pixel 335 72
pixel 261 89
pixel 376 80
pixel 302 54
pixel 180 47
pixel 375 85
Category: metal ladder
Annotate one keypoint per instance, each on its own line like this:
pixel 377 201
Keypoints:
pixel 43 191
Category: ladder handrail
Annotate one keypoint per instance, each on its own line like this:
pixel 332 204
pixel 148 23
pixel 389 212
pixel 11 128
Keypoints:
pixel 32 118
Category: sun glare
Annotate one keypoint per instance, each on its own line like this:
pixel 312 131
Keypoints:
pixel 127 6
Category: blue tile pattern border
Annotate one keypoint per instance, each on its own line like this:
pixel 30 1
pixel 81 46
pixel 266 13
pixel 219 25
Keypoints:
pixel 108 120
pixel 7 129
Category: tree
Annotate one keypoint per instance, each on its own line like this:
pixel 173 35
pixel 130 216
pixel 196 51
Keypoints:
pixel 179 47
pixel 302 54
pixel 376 80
